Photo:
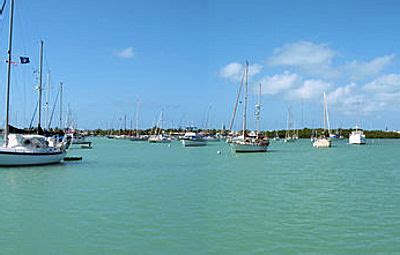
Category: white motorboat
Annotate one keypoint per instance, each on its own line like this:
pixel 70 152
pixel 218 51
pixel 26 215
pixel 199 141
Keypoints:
pixel 192 139
pixel 357 136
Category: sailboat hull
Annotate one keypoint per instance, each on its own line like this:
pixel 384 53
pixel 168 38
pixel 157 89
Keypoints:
pixel 248 147
pixel 17 158
pixel 194 143
pixel 322 143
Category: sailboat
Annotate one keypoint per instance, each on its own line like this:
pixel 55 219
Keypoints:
pixel 245 142
pixel 324 141
pixel 24 149
pixel 137 137
pixel 277 137
pixel 158 136
pixel 288 136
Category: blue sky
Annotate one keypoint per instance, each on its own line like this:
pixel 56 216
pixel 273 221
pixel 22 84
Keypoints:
pixel 185 56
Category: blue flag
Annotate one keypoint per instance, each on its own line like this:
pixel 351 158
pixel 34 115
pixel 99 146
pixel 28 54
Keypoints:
pixel 24 60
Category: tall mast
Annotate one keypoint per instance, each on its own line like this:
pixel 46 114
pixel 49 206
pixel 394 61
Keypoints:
pixel 328 124
pixel 324 112
pixel 208 118
pixel 258 110
pixel 47 103
pixel 9 72
pixel 245 98
pixel 40 87
pixel 236 103
pixel 125 122
pixel 137 117
pixel 61 104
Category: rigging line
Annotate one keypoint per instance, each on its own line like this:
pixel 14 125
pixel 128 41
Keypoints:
pixel 33 115
pixel 54 107
pixel 236 103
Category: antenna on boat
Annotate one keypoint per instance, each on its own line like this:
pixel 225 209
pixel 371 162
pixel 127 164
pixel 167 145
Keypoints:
pixel 9 72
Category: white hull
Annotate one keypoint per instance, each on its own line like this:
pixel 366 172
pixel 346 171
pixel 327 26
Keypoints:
pixel 15 158
pixel 357 137
pixel 194 143
pixel 322 143
pixel 79 140
pixel 248 147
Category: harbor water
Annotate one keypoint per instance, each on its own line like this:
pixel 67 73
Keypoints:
pixel 129 197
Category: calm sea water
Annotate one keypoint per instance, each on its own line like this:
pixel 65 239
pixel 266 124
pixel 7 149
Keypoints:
pixel 140 198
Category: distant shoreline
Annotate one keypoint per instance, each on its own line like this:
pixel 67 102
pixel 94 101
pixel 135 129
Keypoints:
pixel 302 133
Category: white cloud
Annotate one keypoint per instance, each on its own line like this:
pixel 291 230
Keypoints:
pixel 254 69
pixel 353 100
pixel 383 84
pixel 357 70
pixel 310 89
pixel 385 90
pixel 278 83
pixel 302 54
pixel 234 71
pixel 126 53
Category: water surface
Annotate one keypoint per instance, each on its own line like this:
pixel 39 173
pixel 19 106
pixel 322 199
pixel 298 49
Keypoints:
pixel 138 198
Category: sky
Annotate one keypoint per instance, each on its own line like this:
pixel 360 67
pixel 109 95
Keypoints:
pixel 185 58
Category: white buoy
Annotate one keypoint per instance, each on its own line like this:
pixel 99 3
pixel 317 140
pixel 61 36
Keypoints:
pixel 169 145
pixel 219 152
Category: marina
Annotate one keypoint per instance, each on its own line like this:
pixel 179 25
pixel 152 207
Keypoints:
pixel 126 196
pixel 199 127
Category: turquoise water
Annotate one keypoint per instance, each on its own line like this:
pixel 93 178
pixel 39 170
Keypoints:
pixel 140 198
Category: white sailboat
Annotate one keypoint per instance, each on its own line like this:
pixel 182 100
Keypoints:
pixel 20 149
pixel 357 136
pixel 137 137
pixel 159 136
pixel 324 141
pixel 289 137
pixel 245 142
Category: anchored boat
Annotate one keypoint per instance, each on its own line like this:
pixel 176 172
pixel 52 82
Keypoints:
pixel 246 143
pixel 24 149
pixel 324 141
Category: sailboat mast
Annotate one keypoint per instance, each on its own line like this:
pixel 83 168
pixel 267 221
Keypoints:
pixel 324 112
pixel 9 72
pixel 125 122
pixel 236 103
pixel 258 109
pixel 245 98
pixel 137 117
pixel 61 104
pixel 40 87
pixel 47 103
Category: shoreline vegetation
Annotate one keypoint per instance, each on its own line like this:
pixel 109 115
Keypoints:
pixel 302 133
